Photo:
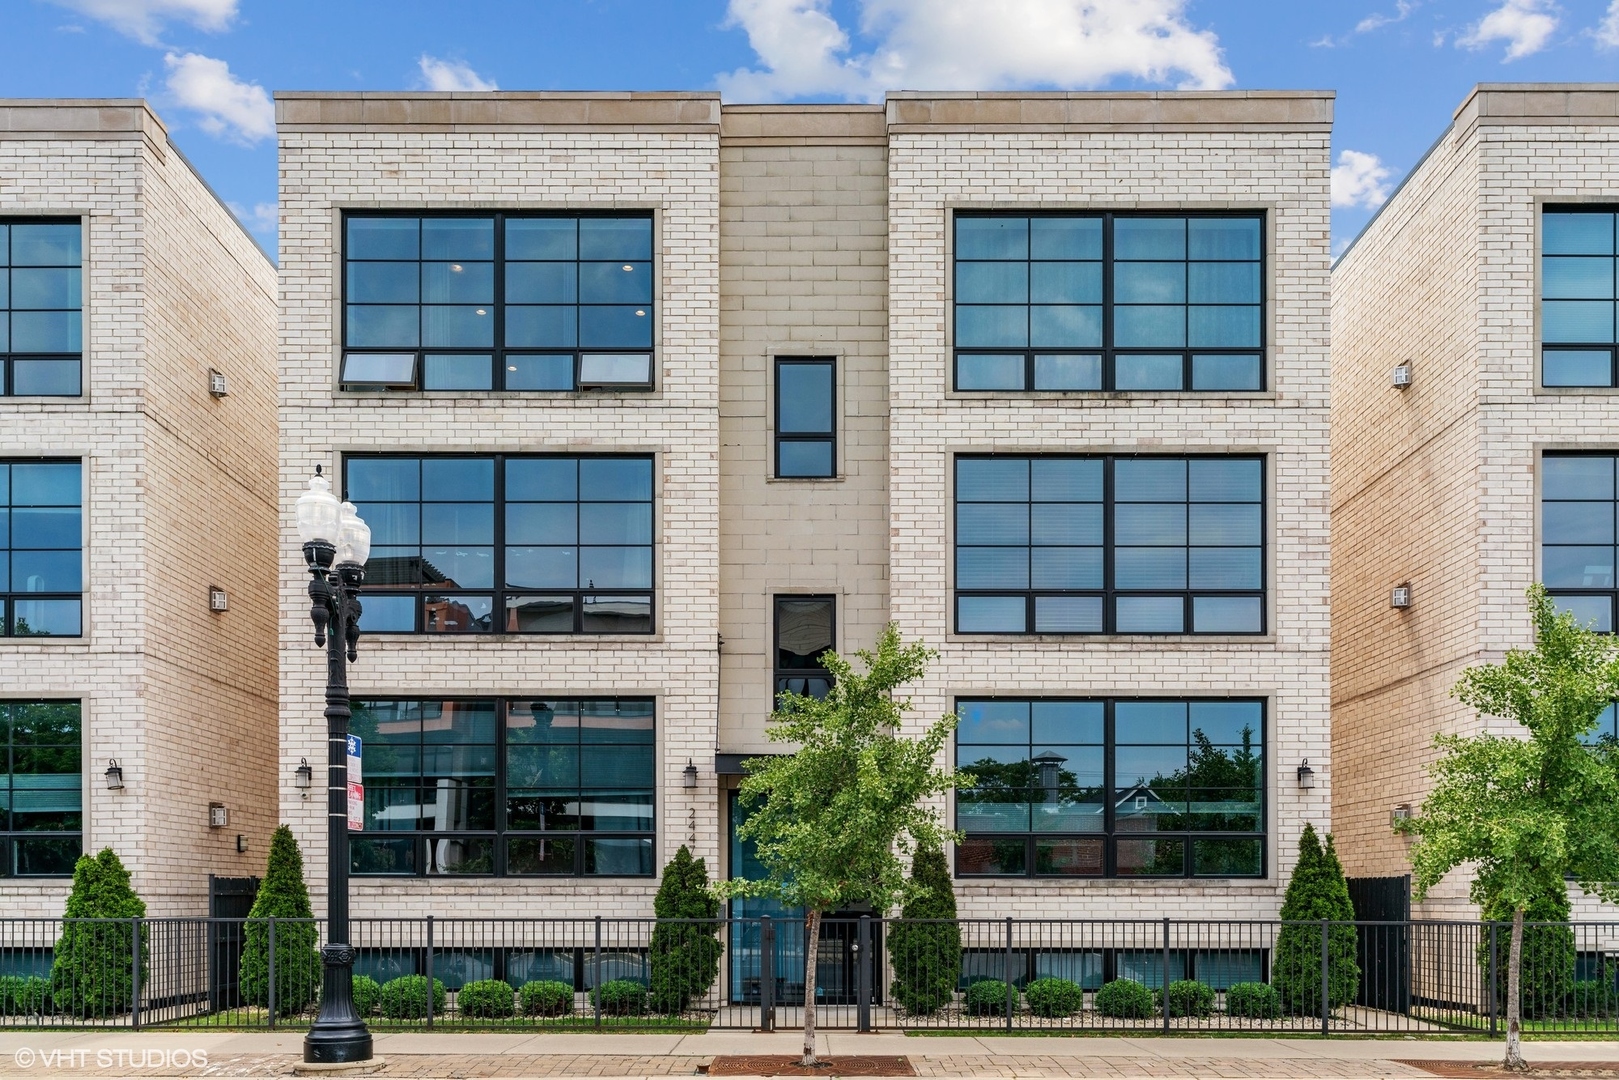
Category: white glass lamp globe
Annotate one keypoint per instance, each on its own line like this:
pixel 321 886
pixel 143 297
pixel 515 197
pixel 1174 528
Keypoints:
pixel 318 512
pixel 353 538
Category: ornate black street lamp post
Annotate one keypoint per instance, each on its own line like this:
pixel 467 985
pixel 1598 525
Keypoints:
pixel 336 545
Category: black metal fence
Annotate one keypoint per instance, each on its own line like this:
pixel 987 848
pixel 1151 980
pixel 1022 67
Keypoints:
pixel 1145 976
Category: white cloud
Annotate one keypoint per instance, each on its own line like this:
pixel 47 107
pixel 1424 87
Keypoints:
pixel 227 107
pixel 1607 32
pixel 968 45
pixel 143 19
pixel 451 75
pixel 1377 20
pixel 264 217
pixel 1525 25
pixel 1359 180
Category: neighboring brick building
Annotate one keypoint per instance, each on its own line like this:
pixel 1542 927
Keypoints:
pixel 130 490
pixel 616 377
pixel 1489 274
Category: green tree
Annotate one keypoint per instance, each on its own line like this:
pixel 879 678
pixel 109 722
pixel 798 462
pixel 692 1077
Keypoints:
pixel 93 969
pixel 926 954
pixel 1532 810
pixel 282 896
pixel 1316 891
pixel 685 955
pixel 833 820
pixel 1548 953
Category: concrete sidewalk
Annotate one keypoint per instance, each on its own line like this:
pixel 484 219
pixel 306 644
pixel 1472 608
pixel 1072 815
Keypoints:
pixel 521 1055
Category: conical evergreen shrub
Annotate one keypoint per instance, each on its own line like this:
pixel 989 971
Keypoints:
pixel 1316 891
pixel 1546 976
pixel 282 896
pixel 926 955
pixel 685 957
pixel 93 968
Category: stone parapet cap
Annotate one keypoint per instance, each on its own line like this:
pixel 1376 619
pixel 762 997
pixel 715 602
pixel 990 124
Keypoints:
pixel 692 111
pixel 1535 104
pixel 80 118
pixel 1155 111
pixel 803 124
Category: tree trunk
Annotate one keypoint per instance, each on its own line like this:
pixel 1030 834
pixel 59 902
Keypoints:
pixel 1514 1059
pixel 812 948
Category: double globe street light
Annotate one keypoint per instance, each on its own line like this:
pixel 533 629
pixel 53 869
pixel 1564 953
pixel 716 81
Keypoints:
pixel 336 545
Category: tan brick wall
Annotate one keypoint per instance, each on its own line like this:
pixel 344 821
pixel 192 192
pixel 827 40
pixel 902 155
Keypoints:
pixel 1437 485
pixel 803 271
pixel 658 153
pixel 1104 151
pixel 170 277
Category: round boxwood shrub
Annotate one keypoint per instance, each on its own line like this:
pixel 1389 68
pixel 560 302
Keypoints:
pixel 1594 999
pixel 405 998
pixel 1186 997
pixel 1256 1001
pixel 1054 997
pixel 987 997
pixel 24 995
pixel 622 997
pixel 367 992
pixel 485 998
pixel 1124 999
pixel 546 997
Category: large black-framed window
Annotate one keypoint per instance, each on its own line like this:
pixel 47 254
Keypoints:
pixel 805 627
pixel 1072 301
pixel 41 548
pixel 1606 731
pixel 497 301
pixel 1579 296
pixel 1111 787
pixel 1139 544
pixel 511 787
pixel 1579 528
pixel 41 788
pixel 41 307
pixel 516 543
pixel 806 417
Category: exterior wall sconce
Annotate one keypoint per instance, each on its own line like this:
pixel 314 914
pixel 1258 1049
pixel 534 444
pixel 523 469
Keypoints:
pixel 1400 596
pixel 241 843
pixel 218 816
pixel 688 775
pixel 1401 812
pixel 217 600
pixel 303 777
pixel 1401 379
pixel 218 386
pixel 115 776
pixel 1306 776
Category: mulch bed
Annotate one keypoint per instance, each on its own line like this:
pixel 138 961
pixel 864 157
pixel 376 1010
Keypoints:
pixel 1466 1070
pixel 787 1065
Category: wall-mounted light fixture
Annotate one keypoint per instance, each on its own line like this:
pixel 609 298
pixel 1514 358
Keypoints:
pixel 1400 596
pixel 1401 812
pixel 689 774
pixel 218 816
pixel 1401 378
pixel 303 777
pixel 115 776
pixel 1306 775
pixel 217 383
pixel 241 843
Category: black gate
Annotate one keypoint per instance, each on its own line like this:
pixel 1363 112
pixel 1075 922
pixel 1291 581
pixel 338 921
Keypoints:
pixel 228 898
pixel 1383 951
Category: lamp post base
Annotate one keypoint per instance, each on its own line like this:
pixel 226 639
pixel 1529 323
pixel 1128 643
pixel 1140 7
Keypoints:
pixel 338 1035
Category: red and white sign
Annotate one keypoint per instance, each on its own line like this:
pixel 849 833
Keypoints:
pixel 356 786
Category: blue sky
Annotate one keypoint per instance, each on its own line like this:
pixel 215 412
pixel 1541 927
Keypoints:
pixel 1399 66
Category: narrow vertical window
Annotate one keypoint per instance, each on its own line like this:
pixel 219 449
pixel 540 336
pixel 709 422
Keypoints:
pixel 41 548
pixel 1579 294
pixel 41 811
pixel 806 428
pixel 804 632
pixel 1578 507
pixel 40 308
